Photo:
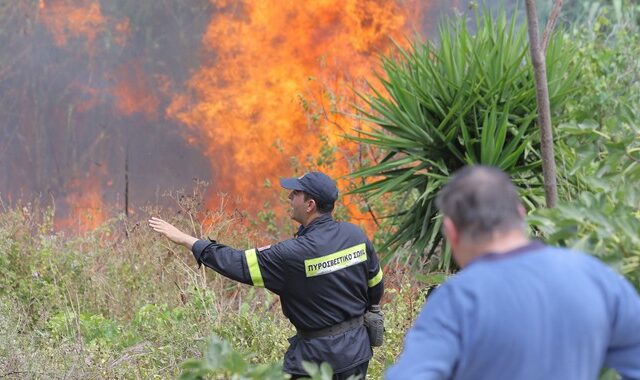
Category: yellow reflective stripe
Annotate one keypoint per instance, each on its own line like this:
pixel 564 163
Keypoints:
pixel 376 280
pixel 336 261
pixel 254 268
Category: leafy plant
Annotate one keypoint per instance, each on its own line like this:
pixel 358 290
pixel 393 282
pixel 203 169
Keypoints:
pixel 470 99
pixel 603 214
pixel 219 358
pixel 93 328
pixel 598 147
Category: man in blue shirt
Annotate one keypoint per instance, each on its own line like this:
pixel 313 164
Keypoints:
pixel 518 309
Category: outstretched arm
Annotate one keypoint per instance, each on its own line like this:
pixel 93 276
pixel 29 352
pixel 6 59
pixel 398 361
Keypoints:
pixel 171 232
pixel 248 266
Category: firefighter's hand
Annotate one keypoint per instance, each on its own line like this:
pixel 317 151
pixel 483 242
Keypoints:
pixel 171 232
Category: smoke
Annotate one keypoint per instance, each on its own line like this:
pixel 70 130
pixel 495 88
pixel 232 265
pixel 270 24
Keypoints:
pixel 106 105
pixel 84 86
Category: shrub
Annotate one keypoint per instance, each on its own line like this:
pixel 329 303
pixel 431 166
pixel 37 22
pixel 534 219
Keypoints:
pixel 470 99
pixel 598 147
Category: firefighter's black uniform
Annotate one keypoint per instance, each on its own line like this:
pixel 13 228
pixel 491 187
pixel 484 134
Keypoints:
pixel 325 276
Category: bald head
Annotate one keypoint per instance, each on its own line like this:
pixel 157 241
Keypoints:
pixel 481 200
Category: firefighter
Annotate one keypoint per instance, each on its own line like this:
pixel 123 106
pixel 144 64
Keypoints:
pixel 327 277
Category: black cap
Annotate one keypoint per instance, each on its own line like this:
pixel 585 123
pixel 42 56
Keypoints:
pixel 319 185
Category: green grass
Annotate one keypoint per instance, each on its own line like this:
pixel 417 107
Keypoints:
pixel 120 302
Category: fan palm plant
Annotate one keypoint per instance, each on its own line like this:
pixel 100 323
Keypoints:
pixel 469 99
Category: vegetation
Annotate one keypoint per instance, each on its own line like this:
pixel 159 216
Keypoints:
pixel 120 303
pixel 598 145
pixel 470 99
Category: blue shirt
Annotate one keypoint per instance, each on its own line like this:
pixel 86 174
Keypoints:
pixel 534 313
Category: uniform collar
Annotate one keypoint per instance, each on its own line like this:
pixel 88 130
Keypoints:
pixel 322 219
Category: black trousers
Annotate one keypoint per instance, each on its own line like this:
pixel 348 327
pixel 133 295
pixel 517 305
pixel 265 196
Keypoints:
pixel 357 370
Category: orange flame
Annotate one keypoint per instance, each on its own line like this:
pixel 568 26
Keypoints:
pixel 133 93
pixel 84 198
pixel 269 100
pixel 81 20
pixel 250 108
pixel 67 19
pixel 78 26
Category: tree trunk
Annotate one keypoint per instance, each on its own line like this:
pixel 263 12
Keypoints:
pixel 544 112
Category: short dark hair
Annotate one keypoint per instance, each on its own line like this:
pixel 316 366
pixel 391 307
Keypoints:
pixel 481 200
pixel 323 208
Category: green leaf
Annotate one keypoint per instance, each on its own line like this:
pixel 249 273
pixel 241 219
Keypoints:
pixel 469 99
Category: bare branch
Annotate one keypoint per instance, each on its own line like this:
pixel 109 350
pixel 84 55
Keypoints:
pixel 551 24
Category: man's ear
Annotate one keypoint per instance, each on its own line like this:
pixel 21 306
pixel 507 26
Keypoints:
pixel 311 206
pixel 450 231
pixel 522 211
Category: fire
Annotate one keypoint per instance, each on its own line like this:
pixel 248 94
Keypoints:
pixel 67 19
pixel 278 77
pixel 81 19
pixel 86 210
pixel 81 28
pixel 267 93
pixel 133 92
